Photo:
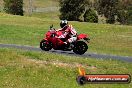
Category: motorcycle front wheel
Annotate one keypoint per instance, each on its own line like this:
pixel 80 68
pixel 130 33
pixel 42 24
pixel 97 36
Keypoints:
pixel 45 45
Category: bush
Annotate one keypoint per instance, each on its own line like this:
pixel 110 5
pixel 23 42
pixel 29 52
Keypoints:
pixel 90 16
pixel 14 7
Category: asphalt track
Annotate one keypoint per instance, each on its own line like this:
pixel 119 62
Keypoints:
pixel 70 53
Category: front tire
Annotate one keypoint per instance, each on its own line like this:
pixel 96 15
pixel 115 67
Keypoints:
pixel 45 45
pixel 80 47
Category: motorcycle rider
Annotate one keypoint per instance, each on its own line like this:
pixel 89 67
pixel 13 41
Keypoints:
pixel 68 31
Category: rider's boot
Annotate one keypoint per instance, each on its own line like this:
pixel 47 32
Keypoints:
pixel 68 45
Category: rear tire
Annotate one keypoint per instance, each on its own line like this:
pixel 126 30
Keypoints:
pixel 80 47
pixel 45 45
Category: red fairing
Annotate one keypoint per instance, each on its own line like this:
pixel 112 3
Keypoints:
pixel 82 36
pixel 59 33
pixel 56 41
pixel 48 34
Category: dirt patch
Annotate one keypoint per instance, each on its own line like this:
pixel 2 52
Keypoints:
pixel 126 36
pixel 59 64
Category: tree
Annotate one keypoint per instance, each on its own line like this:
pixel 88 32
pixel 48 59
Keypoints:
pixel 14 7
pixel 129 15
pixel 72 9
pixel 90 16
pixel 124 15
pixel 109 9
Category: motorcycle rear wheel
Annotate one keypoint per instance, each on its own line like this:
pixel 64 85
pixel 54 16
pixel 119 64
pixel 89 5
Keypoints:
pixel 80 47
pixel 45 45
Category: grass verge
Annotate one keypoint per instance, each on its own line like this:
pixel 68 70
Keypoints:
pixel 26 69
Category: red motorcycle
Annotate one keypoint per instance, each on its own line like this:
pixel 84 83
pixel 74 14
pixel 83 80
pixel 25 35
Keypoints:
pixel 80 46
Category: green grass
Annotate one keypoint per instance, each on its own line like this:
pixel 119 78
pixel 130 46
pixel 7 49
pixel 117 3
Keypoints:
pixel 45 3
pixel 28 69
pixel 47 15
pixel 38 3
pixel 105 38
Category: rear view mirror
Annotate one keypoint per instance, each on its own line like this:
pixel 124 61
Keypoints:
pixel 51 26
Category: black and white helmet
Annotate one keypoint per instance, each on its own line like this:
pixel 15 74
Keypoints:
pixel 63 23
